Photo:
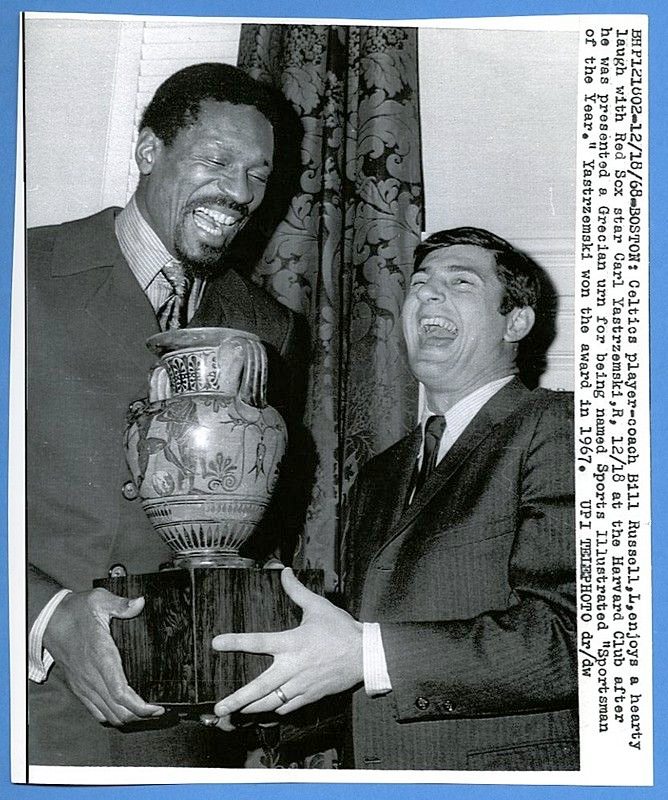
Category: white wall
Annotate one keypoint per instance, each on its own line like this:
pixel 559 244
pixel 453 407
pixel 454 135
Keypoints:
pixel 498 112
pixel 69 79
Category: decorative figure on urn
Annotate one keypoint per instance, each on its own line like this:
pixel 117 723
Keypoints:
pixel 205 449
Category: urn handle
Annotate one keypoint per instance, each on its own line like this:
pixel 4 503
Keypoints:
pixel 158 384
pixel 253 386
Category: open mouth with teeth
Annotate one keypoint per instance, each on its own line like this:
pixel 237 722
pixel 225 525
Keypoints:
pixel 214 222
pixel 437 328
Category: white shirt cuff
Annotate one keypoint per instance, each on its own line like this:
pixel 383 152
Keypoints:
pixel 39 659
pixel 376 677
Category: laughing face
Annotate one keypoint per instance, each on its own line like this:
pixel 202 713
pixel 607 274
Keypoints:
pixel 198 192
pixel 456 337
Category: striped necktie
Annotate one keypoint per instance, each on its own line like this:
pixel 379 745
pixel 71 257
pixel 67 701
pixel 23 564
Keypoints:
pixel 433 433
pixel 174 311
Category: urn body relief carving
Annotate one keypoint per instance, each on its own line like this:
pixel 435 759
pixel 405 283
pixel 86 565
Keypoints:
pixel 204 449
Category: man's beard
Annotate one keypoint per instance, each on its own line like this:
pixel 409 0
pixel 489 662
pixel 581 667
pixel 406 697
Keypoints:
pixel 209 261
pixel 208 264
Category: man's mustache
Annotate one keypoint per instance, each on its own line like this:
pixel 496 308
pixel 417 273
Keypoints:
pixel 220 203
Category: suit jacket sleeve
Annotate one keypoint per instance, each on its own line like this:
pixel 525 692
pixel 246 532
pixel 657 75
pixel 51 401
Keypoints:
pixel 41 588
pixel 522 658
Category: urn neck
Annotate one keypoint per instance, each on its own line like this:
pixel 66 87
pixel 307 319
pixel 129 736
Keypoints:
pixel 198 370
pixel 209 360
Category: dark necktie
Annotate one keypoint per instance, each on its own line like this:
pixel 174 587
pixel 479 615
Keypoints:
pixel 174 311
pixel 433 433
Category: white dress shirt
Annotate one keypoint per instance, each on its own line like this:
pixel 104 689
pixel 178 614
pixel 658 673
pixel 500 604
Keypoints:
pixel 376 677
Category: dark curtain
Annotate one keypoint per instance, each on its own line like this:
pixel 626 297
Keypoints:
pixel 343 252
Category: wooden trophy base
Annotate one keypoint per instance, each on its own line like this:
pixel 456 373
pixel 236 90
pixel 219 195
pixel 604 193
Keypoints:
pixel 166 650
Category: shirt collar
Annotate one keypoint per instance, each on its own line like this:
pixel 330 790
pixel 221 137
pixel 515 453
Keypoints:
pixel 460 415
pixel 143 250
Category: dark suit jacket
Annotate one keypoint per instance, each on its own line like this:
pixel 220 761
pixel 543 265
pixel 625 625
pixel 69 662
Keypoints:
pixel 87 322
pixel 474 587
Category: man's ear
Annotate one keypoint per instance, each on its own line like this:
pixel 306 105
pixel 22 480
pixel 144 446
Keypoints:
pixel 148 148
pixel 519 322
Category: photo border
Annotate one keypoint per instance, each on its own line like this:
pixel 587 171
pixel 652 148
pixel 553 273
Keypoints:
pixel 347 9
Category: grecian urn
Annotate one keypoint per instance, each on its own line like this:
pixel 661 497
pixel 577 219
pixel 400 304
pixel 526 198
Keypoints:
pixel 204 449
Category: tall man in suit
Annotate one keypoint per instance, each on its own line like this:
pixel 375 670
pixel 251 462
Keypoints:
pixel 97 289
pixel 461 638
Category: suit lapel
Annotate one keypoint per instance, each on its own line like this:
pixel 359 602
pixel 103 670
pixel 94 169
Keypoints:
pixel 122 311
pixel 227 302
pixel 497 408
pixel 113 303
pixel 385 495
pixel 391 490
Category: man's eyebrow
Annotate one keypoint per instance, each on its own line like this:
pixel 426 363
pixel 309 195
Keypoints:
pixel 451 268
pixel 225 149
pixel 463 268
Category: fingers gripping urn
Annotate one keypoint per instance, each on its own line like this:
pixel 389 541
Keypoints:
pixel 205 449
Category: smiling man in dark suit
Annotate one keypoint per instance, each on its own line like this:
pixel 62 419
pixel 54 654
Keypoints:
pixel 97 289
pixel 461 636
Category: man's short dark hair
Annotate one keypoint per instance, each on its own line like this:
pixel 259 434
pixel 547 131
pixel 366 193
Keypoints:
pixel 177 102
pixel 518 274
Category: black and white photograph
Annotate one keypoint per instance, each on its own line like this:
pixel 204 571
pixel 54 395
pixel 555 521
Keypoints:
pixel 305 308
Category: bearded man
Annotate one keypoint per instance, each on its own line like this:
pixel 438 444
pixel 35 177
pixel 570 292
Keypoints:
pixel 97 289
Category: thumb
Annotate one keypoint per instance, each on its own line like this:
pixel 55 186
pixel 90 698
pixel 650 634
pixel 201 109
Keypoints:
pixel 296 590
pixel 130 607
pixel 123 607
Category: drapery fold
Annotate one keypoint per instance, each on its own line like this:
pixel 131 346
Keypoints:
pixel 343 252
